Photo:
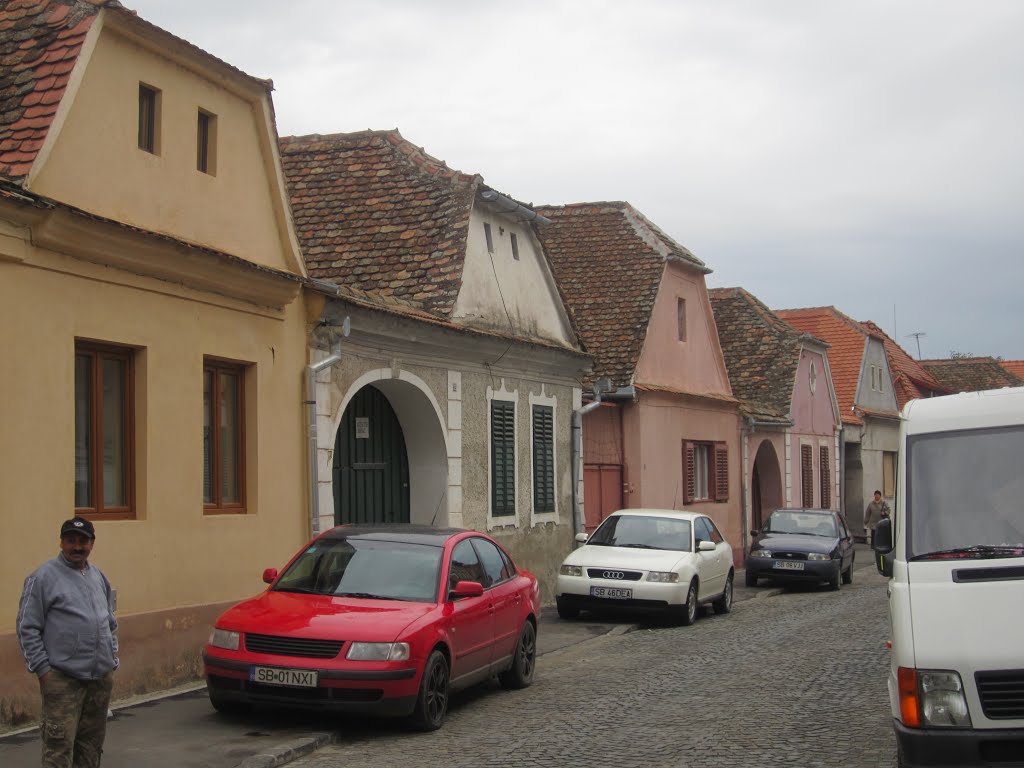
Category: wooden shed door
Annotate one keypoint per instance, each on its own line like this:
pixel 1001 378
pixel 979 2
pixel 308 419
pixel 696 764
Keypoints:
pixel 602 493
pixel 371 467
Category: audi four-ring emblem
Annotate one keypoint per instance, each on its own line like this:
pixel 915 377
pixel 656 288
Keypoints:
pixel 612 575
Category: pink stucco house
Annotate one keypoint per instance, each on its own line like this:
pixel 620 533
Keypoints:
pixel 662 426
pixel 791 425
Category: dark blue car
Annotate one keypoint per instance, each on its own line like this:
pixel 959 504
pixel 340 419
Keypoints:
pixel 802 545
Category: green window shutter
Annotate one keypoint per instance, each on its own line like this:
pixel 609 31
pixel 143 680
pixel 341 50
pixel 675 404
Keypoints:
pixel 503 458
pixel 543 458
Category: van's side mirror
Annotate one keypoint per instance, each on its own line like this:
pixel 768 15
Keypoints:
pixel 883 546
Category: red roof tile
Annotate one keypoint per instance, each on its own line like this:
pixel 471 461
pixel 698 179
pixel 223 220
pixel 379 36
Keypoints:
pixel 609 261
pixel 39 43
pixel 379 215
pixel 972 374
pixel 761 351
pixel 910 379
pixel 1016 367
pixel 846 339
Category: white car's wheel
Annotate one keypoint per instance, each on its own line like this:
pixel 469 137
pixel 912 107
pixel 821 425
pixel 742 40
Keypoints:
pixel 688 612
pixel 724 603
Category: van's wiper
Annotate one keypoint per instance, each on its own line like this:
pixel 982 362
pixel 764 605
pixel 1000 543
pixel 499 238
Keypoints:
pixel 978 551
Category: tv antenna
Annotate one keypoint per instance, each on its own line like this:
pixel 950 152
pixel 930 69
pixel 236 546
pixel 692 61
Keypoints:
pixel 917 337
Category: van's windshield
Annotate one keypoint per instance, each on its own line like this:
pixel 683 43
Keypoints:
pixel 965 494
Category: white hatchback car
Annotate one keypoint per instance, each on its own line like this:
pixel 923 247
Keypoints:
pixel 654 559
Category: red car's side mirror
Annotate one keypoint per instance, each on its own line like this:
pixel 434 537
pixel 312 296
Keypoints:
pixel 467 589
pixel 270 575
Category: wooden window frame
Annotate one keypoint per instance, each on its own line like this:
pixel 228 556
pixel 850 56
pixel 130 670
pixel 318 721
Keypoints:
pixel 825 475
pixel 217 366
pixel 149 119
pixel 717 472
pixel 206 142
pixel 889 474
pixel 807 476
pixel 508 455
pixel 97 352
pixel 681 318
pixel 543 459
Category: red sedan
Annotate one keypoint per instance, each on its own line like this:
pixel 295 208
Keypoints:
pixel 379 620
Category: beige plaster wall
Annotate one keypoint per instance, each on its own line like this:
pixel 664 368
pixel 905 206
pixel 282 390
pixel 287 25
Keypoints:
pixel 95 162
pixel 172 556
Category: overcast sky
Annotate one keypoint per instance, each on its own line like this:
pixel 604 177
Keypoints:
pixel 867 154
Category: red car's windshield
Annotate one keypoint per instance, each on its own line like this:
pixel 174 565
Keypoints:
pixel 365 568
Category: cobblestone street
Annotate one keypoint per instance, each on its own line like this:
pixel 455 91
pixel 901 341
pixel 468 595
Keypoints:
pixel 796 680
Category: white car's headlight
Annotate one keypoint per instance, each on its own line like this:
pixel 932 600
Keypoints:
pixel 222 638
pixel 378 652
pixel 571 570
pixel 818 556
pixel 760 553
pixel 942 699
pixel 664 577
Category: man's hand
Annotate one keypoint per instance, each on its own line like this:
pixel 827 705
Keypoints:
pixel 42 677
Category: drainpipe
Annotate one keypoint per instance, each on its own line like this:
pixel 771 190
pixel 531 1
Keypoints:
pixel 310 403
pixel 577 458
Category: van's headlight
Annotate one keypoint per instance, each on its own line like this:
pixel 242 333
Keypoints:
pixel 943 704
pixel 571 570
pixel 378 652
pixel 222 638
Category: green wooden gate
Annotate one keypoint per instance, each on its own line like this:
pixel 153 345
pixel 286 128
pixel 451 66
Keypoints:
pixel 371 467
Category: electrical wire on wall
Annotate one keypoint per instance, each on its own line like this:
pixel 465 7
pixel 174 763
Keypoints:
pixel 508 316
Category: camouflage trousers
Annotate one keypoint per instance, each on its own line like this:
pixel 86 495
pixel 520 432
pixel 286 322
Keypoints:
pixel 74 720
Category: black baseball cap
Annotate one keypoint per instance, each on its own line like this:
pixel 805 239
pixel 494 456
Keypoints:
pixel 78 525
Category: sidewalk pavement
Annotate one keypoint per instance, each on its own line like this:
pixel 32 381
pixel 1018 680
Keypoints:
pixel 151 730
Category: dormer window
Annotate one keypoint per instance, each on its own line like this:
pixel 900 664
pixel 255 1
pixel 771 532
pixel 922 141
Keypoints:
pixel 206 143
pixel 149 119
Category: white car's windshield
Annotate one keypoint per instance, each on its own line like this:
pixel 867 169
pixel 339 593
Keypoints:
pixel 644 532
pixel 965 493
pixel 365 568
pixel 806 523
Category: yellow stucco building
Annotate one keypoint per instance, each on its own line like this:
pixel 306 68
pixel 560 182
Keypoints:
pixel 154 330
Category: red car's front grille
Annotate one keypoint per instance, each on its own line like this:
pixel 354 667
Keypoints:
pixel 293 646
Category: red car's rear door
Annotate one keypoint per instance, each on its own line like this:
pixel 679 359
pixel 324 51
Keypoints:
pixel 472 623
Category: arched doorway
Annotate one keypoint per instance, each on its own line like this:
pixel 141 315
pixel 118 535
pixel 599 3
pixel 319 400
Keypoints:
pixel 371 465
pixel 765 484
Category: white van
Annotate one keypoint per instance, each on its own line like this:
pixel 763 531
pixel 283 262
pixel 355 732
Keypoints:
pixel 954 552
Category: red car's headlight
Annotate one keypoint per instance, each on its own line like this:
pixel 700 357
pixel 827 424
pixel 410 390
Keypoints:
pixel 378 652
pixel 222 638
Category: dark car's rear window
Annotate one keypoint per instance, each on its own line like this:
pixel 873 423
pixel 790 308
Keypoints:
pixel 365 568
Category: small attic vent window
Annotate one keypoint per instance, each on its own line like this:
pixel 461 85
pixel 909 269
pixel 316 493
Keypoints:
pixel 149 119
pixel 206 143
pixel 490 239
pixel 515 246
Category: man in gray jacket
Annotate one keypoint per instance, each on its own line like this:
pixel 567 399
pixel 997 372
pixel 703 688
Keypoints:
pixel 68 636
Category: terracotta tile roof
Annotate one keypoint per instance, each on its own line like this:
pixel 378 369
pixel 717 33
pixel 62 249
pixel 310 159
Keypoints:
pixel 1016 367
pixel 761 350
pixel 972 374
pixel 39 44
pixel 846 340
pixel 379 215
pixel 910 379
pixel 609 261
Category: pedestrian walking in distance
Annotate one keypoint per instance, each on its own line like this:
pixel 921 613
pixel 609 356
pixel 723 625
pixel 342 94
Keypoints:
pixel 68 636
pixel 876 510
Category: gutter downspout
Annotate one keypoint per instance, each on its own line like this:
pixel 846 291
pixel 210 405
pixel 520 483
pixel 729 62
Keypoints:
pixel 577 458
pixel 310 403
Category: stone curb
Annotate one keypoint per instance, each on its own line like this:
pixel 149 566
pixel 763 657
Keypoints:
pixel 286 753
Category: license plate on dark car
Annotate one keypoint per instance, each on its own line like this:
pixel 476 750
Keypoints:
pixel 788 565
pixel 615 593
